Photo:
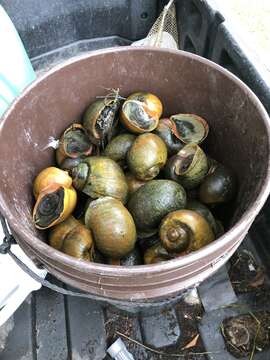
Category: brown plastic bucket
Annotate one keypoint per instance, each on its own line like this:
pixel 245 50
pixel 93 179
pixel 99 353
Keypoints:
pixel 239 137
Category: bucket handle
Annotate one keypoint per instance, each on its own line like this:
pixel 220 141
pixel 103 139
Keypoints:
pixel 6 248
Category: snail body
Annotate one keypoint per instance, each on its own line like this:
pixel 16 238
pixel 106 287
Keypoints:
pixel 112 226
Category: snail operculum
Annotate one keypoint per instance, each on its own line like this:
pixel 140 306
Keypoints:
pixel 107 118
pixel 190 128
pixel 141 112
pixel 69 163
pixel 80 175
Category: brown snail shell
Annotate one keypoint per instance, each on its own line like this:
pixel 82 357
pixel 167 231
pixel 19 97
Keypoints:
pixel 147 156
pixel 54 205
pixel 189 167
pixel 156 254
pixel 72 238
pixel 99 176
pixel 166 130
pixel 218 187
pixel 118 148
pixel 185 230
pixel 112 226
pixel 100 118
pixel 133 183
pixel 190 128
pixel 141 112
pixel 203 210
pixel 49 176
pixel 74 143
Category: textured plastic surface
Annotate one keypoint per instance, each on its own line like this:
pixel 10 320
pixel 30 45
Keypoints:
pixel 47 25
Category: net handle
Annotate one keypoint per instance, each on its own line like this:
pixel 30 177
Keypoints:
pixel 165 11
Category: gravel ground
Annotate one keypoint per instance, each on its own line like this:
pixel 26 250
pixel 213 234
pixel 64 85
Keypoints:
pixel 253 19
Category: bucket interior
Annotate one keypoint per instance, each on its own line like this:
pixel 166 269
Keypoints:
pixel 238 137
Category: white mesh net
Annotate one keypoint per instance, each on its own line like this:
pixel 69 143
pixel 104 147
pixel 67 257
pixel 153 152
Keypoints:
pixel 164 32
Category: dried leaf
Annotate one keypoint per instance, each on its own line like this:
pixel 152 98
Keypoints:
pixel 192 343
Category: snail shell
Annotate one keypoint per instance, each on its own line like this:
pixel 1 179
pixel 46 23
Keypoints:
pixel 54 205
pixel 133 183
pixel 72 238
pixel 101 118
pixel 99 176
pixel 218 187
pixel 189 167
pixel 141 112
pixel 118 148
pixel 112 226
pixel 154 200
pixel 147 156
pixel 185 230
pixel 166 130
pixel 190 128
pixel 49 176
pixel 74 143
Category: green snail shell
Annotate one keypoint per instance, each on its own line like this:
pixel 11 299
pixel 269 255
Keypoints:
pixel 154 200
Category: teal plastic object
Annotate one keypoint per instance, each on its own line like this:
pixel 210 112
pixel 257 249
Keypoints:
pixel 16 71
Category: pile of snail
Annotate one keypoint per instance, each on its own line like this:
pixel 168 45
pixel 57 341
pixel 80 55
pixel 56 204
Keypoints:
pixel 131 187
